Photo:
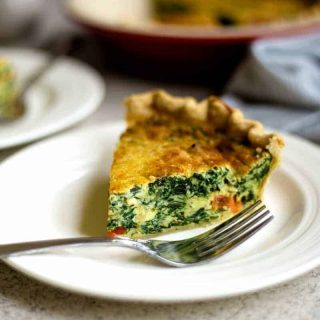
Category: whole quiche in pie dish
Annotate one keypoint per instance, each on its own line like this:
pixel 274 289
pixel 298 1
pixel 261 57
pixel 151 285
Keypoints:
pixel 182 164
pixel 231 12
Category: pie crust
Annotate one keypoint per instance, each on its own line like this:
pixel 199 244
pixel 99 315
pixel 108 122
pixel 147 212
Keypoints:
pixel 212 113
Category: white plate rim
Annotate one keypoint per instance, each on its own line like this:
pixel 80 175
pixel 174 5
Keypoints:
pixel 79 114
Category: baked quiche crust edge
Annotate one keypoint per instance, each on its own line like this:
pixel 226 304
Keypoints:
pixel 134 208
pixel 212 112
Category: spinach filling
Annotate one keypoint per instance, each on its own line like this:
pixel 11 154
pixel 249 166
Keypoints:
pixel 178 200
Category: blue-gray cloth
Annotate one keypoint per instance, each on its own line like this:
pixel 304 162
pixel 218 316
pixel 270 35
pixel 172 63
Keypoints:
pixel 279 83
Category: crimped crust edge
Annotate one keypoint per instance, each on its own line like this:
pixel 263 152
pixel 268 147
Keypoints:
pixel 212 112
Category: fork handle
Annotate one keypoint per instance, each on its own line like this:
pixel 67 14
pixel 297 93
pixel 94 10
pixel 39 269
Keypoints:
pixel 42 246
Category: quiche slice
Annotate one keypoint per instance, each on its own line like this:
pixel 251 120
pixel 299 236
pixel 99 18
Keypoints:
pixel 183 164
pixel 9 108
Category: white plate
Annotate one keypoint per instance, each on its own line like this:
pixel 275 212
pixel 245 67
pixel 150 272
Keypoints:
pixel 66 94
pixel 58 187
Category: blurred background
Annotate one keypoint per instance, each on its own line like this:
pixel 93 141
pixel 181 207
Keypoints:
pixel 217 46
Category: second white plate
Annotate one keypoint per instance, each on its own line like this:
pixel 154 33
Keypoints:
pixel 58 188
pixel 68 93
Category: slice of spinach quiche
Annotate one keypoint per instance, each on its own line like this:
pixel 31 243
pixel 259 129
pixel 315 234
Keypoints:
pixel 9 108
pixel 182 164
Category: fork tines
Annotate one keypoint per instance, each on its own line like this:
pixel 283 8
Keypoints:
pixel 233 232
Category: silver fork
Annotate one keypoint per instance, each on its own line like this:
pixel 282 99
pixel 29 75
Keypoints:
pixel 180 253
pixel 62 48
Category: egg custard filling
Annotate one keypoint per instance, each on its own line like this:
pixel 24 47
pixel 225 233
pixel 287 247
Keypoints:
pixel 182 164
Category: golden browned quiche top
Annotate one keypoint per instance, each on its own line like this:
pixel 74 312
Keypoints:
pixel 171 136
pixel 233 12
